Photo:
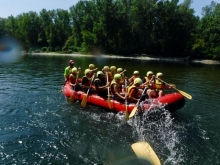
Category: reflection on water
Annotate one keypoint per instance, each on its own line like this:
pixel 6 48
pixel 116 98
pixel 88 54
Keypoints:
pixel 37 125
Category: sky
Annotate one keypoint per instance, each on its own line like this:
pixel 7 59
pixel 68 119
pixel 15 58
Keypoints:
pixel 16 7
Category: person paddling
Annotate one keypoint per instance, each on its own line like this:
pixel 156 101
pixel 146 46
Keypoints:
pixel 134 91
pixel 113 72
pixel 148 81
pixel 86 81
pixel 135 75
pixel 93 69
pixel 100 85
pixel 158 87
pixel 115 88
pixel 73 77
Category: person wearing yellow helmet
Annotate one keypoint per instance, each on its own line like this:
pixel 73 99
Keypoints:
pixel 100 84
pixel 134 92
pixel 86 81
pixel 113 72
pixel 106 71
pixel 135 75
pixel 122 73
pixel 158 87
pixel 73 76
pixel 92 68
pixel 148 80
pixel 115 88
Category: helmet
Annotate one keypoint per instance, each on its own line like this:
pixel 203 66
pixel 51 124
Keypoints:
pixel 119 70
pixel 87 71
pixel 138 81
pixel 149 72
pixel 74 70
pixel 117 76
pixel 71 62
pixel 105 68
pixel 91 66
pixel 159 74
pixel 136 72
pixel 99 73
pixel 113 68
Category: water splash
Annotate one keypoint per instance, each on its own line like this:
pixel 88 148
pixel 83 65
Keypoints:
pixel 156 126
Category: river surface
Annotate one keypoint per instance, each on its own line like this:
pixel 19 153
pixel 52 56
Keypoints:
pixel 38 126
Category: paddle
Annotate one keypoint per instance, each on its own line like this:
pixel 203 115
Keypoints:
pixel 126 102
pixel 72 97
pixel 137 105
pixel 188 96
pixel 145 153
pixel 84 101
pixel 109 103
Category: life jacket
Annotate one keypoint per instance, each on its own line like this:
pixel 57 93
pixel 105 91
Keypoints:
pixel 134 94
pixel 72 78
pixel 158 85
pixel 111 87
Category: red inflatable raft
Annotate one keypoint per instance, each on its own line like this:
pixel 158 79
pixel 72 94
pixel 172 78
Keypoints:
pixel 172 102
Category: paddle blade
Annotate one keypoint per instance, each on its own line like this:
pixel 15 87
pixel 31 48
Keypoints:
pixel 133 112
pixel 173 85
pixel 185 94
pixel 126 114
pixel 84 101
pixel 145 153
pixel 109 102
pixel 71 99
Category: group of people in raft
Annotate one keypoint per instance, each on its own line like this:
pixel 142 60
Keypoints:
pixel 120 87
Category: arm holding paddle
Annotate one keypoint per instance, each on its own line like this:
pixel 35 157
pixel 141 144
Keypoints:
pixel 84 101
pixel 133 112
pixel 76 82
pixel 109 100
pixel 126 102
pixel 188 96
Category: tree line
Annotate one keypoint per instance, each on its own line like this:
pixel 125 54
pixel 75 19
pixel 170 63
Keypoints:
pixel 122 27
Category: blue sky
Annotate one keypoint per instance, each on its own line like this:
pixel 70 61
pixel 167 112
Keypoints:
pixel 16 7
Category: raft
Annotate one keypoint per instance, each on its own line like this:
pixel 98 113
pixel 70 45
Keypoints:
pixel 171 102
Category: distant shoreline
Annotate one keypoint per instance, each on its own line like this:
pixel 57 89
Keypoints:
pixel 209 62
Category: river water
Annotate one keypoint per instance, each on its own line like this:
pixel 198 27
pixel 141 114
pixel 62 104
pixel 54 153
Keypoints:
pixel 38 126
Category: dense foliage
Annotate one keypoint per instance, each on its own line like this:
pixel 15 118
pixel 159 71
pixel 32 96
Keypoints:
pixel 125 27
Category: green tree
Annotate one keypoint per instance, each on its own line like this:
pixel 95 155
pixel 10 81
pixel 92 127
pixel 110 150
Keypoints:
pixel 209 30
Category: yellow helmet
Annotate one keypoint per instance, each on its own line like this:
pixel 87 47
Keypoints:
pixel 87 71
pixel 113 68
pixel 105 68
pixel 138 81
pixel 136 72
pixel 99 73
pixel 91 66
pixel 119 70
pixel 117 77
pixel 159 74
pixel 149 72
pixel 74 70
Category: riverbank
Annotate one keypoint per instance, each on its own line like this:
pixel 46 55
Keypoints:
pixel 209 62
